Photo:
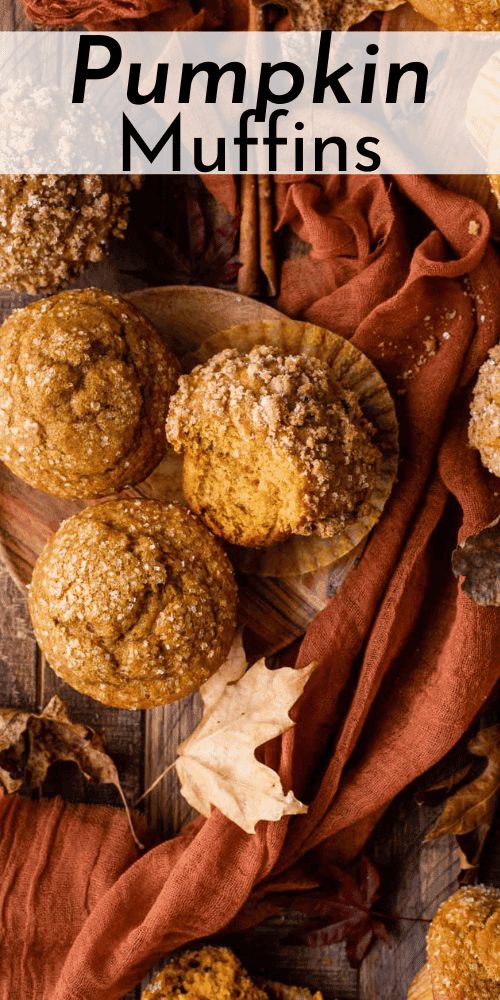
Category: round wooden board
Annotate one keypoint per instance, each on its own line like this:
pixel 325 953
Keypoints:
pixel 274 611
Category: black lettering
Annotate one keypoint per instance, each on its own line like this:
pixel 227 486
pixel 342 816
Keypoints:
pixel 214 76
pixel 84 73
pixel 319 148
pixel 173 132
pixel 157 94
pixel 362 149
pixel 396 71
pixel 220 160
pixel 266 95
pixel 324 79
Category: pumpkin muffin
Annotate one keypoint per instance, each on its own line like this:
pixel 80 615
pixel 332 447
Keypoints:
pixel 207 974
pixel 484 426
pixel 85 382
pixel 133 602
pixel 463 946
pixel 215 974
pixel 461 15
pixel 272 446
pixel 52 226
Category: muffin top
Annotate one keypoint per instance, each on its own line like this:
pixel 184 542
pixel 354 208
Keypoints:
pixel 207 974
pixel 133 602
pixel 52 225
pixel 272 446
pixel 463 945
pixel 85 382
pixel 460 15
pixel 484 426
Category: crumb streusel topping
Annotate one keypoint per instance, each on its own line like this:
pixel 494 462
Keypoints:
pixel 484 426
pixel 52 226
pixel 240 416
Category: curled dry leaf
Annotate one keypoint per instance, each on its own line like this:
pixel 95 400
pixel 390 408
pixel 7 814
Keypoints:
pixel 468 813
pixel 243 709
pixel 31 743
pixel 477 559
pixel 335 15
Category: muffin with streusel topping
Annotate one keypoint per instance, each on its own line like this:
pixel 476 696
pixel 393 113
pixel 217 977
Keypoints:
pixel 463 946
pixel 272 446
pixel 134 602
pixel 85 382
pixel 207 974
pixel 484 426
pixel 53 225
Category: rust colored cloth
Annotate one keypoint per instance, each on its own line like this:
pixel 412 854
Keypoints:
pixel 407 660
pixel 96 13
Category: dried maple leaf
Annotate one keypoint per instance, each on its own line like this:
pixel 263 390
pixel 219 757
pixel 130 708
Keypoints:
pixel 469 812
pixel 31 743
pixel 243 709
pixel 477 559
pixel 345 913
pixel 182 236
pixel 217 765
pixel 335 15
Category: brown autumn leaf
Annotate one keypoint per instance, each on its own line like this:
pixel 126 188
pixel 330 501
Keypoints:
pixel 345 912
pixel 334 15
pixel 216 764
pixel 469 812
pixel 30 743
pixel 477 559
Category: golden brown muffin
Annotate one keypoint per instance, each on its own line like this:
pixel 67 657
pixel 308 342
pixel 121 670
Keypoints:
pixel 52 226
pixel 85 382
pixel 215 974
pixel 461 15
pixel 272 446
pixel 133 602
pixel 207 974
pixel 484 426
pixel 463 946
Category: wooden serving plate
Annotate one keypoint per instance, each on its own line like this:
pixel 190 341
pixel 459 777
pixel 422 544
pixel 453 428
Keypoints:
pixel 274 611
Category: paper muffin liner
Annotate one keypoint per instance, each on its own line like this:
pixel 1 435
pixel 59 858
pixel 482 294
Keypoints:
pixel 421 987
pixel 300 554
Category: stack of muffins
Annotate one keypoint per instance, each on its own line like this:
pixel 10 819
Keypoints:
pixel 134 601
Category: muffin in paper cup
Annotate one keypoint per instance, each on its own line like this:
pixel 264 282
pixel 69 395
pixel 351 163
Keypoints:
pixel 353 371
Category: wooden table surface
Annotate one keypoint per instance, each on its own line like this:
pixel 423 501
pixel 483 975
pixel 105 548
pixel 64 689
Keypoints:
pixel 416 877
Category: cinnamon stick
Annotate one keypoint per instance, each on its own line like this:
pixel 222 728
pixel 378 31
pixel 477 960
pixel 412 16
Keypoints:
pixel 267 256
pixel 257 253
pixel 248 274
